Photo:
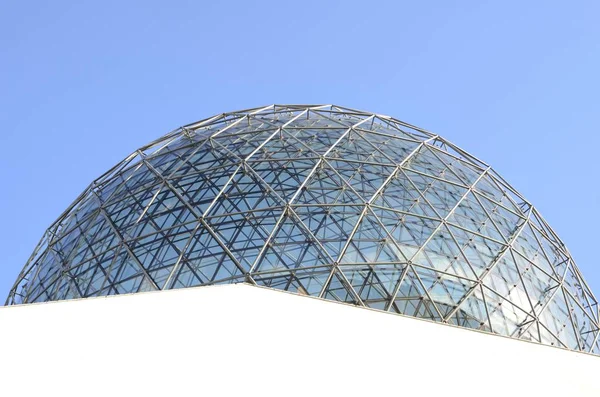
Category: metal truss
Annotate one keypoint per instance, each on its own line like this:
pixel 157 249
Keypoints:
pixel 323 201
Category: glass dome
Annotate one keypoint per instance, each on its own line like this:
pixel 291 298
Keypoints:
pixel 323 201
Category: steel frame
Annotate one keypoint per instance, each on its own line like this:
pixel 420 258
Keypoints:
pixel 326 201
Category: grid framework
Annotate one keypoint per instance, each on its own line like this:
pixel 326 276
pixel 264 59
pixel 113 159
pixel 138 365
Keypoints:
pixel 325 201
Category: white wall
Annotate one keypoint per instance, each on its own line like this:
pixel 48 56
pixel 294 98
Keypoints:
pixel 242 340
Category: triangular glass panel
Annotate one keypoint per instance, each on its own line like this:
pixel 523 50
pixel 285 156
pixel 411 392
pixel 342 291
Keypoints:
pixel 596 349
pixel 590 304
pixel 401 194
pixel 530 332
pixel 339 290
pixel 204 160
pixel 393 147
pixel 138 283
pixel 158 253
pixel 375 283
pixel 443 254
pixel 480 252
pixel 538 285
pixel 146 285
pixel 42 296
pixel 71 292
pixel 83 276
pixel 279 115
pixel 412 300
pixel 79 216
pixel 101 276
pixel 69 245
pixel 206 257
pixel 99 237
pixel 284 177
pixel 97 282
pixel 49 288
pixel 123 268
pixel 387 125
pixel 189 275
pixel 513 200
pixel 408 231
pixel 506 221
pixel 574 285
pixel 125 212
pixel 160 275
pixel 319 140
pixel 458 170
pixel 364 178
pixel 331 225
pixel 291 247
pixel 371 244
pixel 165 211
pixel 504 279
pixel 445 290
pixel 49 268
pixel 555 317
pixel 200 189
pixel 185 277
pixel 60 288
pixel 505 318
pixel 243 138
pixel 443 196
pixel 378 146
pixel 172 157
pixel 555 257
pixel 543 229
pixel 585 327
pixel 140 179
pixel 107 188
pixel 354 148
pixel 82 253
pixel 472 312
pixel 527 246
pixel 301 281
pixel 469 214
pixel 322 118
pixel 245 193
pixel 283 146
pixel 245 234
pixel 488 187
pixel 547 338
pixel 325 186
pixel 426 162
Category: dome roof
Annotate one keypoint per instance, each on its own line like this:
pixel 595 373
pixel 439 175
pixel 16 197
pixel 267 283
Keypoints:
pixel 323 201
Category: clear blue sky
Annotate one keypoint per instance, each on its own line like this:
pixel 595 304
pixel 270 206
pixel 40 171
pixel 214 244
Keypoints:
pixel 85 83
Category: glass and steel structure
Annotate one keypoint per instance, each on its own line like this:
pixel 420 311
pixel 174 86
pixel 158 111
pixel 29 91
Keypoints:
pixel 323 201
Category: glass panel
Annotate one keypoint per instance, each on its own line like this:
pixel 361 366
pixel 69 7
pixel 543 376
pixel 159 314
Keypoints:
pixel 339 290
pixel 374 284
pixel 371 244
pixel 302 281
pixel 292 247
pixel 377 212
pixel 412 299
pixel 472 312
pixel 332 226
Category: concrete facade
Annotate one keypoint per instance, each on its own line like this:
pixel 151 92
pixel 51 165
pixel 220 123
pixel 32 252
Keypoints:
pixel 242 340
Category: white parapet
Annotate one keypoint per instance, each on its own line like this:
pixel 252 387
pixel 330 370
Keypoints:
pixel 239 340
